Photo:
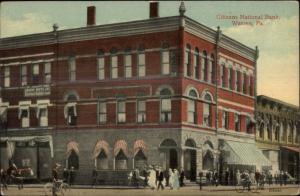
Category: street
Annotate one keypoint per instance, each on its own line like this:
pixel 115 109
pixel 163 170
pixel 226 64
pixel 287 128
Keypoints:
pixel 192 190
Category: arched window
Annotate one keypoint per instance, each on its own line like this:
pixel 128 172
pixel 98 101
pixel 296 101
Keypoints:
pixel 121 155
pixel 165 105
pixel 196 64
pixel 165 59
pixel 269 129
pixel 204 65
pixel 261 130
pixel 277 130
pixel 100 155
pixel 212 69
pixel 72 155
pixel 140 158
pixel 187 59
pixel 207 118
pixel 192 107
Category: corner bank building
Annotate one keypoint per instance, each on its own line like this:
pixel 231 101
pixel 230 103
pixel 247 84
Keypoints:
pixel 164 91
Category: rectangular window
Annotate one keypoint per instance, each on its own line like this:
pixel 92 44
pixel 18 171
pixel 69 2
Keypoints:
pixel 6 77
pixel 72 115
pixel 236 80
pixel 102 112
pixel 237 122
pixel 165 63
pixel 248 125
pixel 72 69
pixel 165 112
pixel 230 79
pixel 43 118
pixel 114 66
pixel 206 115
pixel 23 75
pixel 245 84
pixel 24 117
pixel 47 73
pixel 203 68
pixel 191 111
pixel 141 65
pixel 225 120
pixel 101 68
pixel 35 73
pixel 141 110
pixel 121 111
pixel 210 69
pixel 128 66
pixel 196 66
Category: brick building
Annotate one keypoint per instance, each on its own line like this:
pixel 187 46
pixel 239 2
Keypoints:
pixel 278 133
pixel 165 91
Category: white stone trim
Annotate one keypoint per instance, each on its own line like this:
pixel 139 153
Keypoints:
pixel 235 104
pixel 27 56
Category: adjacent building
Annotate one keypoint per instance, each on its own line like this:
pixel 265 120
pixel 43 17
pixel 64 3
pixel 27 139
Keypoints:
pixel 164 91
pixel 278 134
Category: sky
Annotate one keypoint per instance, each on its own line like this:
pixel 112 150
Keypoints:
pixel 276 38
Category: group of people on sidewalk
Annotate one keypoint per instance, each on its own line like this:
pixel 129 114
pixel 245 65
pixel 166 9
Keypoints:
pixel 157 178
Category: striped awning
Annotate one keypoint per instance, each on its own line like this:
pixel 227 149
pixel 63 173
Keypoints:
pixel 3 113
pixel 139 145
pixel 72 145
pixel 101 145
pixel 120 145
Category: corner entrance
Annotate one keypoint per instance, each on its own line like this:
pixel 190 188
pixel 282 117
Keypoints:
pixel 190 157
pixel 168 154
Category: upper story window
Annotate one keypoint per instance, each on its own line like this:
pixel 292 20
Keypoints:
pixel 42 112
pixel 6 77
pixel 141 62
pixel 141 111
pixel 192 107
pixel 165 105
pixel 187 61
pixel 261 130
pixel 23 75
pixel 121 110
pixel 269 130
pixel 24 114
pixel 251 85
pixel 101 65
pixel 225 120
pixel 237 122
pixel 277 130
pixel 290 133
pixel 230 78
pixel 248 125
pixel 128 63
pixel 222 72
pixel 47 73
pixel 35 73
pixel 102 112
pixel 70 110
pixel 204 65
pixel 72 69
pixel 207 118
pixel 196 64
pixel 211 69
pixel 114 63
pixel 165 60
pixel 236 80
pixel 245 83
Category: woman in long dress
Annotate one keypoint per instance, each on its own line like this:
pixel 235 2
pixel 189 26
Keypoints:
pixel 171 179
pixel 176 179
pixel 152 178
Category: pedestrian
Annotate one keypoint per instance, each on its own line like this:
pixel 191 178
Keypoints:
pixel 3 177
pixel 200 179
pixel 152 177
pixel 270 178
pixel 157 174
pixel 55 179
pixel 257 177
pixel 65 175
pixel 160 179
pixel 285 177
pixel 238 177
pixel 276 176
pixel 181 178
pixel 171 178
pixel 72 176
pixel 94 177
pixel 252 177
pixel 167 177
pixel 227 177
pixel 176 184
pixel 207 176
pixel 281 177
pixel 216 178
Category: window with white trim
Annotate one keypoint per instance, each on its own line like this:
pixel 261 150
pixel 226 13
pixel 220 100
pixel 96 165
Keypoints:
pixel 141 111
pixel 35 73
pixel 245 84
pixel 196 64
pixel 114 66
pixel 141 64
pixel 248 124
pixel 47 73
pixel 222 72
pixel 207 118
pixel 101 65
pixel 72 115
pixel 165 105
pixel 102 115
pixel 187 61
pixel 237 122
pixel 128 65
pixel 72 69
pixel 121 110
pixel 24 116
pixel 43 116
pixel 236 80
pixel 165 59
pixel 23 75
pixel 210 70
pixel 6 77
pixel 192 107
pixel 205 66
pixel 230 79
pixel 225 120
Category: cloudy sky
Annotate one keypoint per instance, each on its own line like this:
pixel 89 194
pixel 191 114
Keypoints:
pixel 277 39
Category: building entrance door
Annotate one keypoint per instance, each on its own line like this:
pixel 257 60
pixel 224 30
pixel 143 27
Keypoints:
pixel 173 159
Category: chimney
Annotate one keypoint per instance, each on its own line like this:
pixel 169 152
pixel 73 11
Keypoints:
pixel 91 15
pixel 153 9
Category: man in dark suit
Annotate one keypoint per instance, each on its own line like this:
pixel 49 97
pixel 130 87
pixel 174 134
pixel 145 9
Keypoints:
pixel 160 179
pixel 200 179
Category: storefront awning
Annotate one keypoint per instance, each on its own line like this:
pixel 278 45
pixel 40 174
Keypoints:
pixel 3 113
pixel 244 154
pixel 295 149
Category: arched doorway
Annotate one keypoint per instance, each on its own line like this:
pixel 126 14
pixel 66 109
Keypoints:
pixel 190 157
pixel 208 156
pixel 168 154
